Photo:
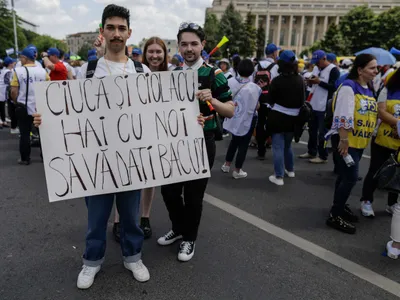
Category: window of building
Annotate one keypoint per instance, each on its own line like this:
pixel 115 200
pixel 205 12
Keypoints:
pixel 272 20
pixel 294 20
pixel 270 36
pixel 307 5
pixel 306 20
pixel 293 41
pixel 318 21
pixel 284 19
pixel 329 6
pixel 282 37
pixel 304 41
pixel 316 35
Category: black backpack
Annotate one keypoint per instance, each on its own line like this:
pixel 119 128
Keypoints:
pixel 263 79
pixel 91 68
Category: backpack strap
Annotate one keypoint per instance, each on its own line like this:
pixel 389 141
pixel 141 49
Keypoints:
pixel 27 87
pixel 138 66
pixel 91 68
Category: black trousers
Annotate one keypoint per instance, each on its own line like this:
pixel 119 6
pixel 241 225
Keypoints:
pixel 12 114
pixel 2 111
pixel 261 130
pixel 185 212
pixel 379 155
pixel 335 139
pixel 25 122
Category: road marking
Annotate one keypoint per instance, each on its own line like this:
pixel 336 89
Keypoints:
pixel 322 253
pixel 305 143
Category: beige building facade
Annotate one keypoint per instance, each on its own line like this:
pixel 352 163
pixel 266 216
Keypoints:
pixel 77 40
pixel 296 24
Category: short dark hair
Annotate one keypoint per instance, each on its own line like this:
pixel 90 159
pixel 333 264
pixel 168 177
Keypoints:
pixel 61 53
pixel 287 68
pixel 113 10
pixel 245 68
pixel 199 32
pixel 393 83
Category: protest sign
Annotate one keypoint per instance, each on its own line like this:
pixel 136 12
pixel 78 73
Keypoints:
pixel 120 133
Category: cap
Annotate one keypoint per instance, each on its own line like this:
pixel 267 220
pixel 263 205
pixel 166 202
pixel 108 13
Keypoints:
pixel 204 54
pixel 317 56
pixel 271 48
pixel 28 53
pixel 137 51
pixel 287 56
pixel 347 62
pixel 66 56
pixel 331 57
pixel 224 60
pixel 53 51
pixel 92 54
pixel 180 58
pixel 33 47
pixel 8 60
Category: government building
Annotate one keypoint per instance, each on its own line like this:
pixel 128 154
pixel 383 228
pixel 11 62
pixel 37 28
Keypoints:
pixel 297 24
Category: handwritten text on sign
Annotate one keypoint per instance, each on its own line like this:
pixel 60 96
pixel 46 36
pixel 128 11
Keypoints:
pixel 120 133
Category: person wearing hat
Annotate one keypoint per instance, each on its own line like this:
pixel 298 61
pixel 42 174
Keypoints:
pixel 92 54
pixel 269 64
pixel 282 118
pixel 176 62
pixel 332 58
pixel 51 60
pixel 5 76
pixel 35 50
pixel 322 90
pixel 23 95
pixel 136 54
pixel 224 65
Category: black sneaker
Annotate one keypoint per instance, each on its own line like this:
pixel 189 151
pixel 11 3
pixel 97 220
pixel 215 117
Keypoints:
pixel 348 215
pixel 169 238
pixel 145 226
pixel 186 251
pixel 340 224
pixel 117 231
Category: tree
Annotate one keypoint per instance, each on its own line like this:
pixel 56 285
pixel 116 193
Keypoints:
pixel 388 29
pixel 249 44
pixel 211 26
pixel 333 41
pixel 83 52
pixel 231 25
pixel 44 42
pixel 260 42
pixel 358 27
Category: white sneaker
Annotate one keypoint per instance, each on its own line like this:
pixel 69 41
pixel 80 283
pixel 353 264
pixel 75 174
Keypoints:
pixel 225 135
pixel 392 252
pixel 86 277
pixel 14 131
pixel 225 168
pixel 169 238
pixel 186 251
pixel 1 123
pixel 240 174
pixel 277 181
pixel 8 120
pixel 289 174
pixel 139 270
pixel 366 209
pixel 317 160
pixel 306 155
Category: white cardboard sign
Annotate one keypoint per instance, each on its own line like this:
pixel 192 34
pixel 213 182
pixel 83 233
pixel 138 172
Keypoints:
pixel 120 133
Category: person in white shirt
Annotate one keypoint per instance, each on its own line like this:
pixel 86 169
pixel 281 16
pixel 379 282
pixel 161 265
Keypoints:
pixel 224 65
pixel 116 31
pixel 71 71
pixel 5 79
pixel 245 94
pixel 35 51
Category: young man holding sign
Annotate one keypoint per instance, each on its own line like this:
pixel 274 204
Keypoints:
pixel 215 96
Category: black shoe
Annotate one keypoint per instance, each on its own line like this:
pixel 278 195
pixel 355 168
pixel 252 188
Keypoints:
pixel 359 178
pixel 145 225
pixel 340 224
pixel 117 231
pixel 24 162
pixel 348 215
pixel 260 157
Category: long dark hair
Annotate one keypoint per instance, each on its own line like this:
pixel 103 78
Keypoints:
pixel 361 61
pixel 235 63
pixel 288 68
pixel 393 83
pixel 160 42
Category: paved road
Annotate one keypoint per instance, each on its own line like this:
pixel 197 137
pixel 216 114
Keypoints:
pixel 41 243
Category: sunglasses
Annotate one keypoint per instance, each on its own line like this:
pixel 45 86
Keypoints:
pixel 186 25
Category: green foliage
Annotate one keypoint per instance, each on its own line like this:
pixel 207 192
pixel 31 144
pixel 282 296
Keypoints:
pixel 249 45
pixel 260 42
pixel 231 25
pixel 44 42
pixel 211 27
pixel 83 51
pixel 358 28
pixel 388 28
pixel 334 41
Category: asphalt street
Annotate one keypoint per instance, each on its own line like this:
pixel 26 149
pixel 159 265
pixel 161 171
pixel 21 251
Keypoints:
pixel 41 243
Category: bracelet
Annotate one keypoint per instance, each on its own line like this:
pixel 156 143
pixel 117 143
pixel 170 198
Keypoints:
pixel 344 139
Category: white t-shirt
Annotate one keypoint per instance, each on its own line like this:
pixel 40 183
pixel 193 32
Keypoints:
pixel 115 68
pixel 69 68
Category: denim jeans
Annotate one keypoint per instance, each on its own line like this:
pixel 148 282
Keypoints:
pixel 317 131
pixel 239 144
pixel 282 153
pixel 99 210
pixel 345 181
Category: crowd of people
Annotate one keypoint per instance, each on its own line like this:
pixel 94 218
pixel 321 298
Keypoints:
pixel 266 102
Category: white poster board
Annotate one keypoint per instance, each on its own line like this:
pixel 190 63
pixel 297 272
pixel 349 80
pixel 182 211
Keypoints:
pixel 120 133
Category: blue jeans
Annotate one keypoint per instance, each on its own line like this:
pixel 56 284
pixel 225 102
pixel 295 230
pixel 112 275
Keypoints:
pixel 345 181
pixel 99 210
pixel 282 153
pixel 317 131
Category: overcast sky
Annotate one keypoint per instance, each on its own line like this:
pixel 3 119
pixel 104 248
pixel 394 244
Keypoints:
pixel 148 17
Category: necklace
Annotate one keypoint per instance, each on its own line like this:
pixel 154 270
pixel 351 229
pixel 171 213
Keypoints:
pixel 108 67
